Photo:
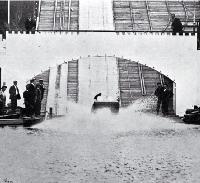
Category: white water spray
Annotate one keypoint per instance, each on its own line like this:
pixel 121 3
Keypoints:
pixel 80 120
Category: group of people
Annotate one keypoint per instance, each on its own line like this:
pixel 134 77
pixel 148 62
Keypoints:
pixel 163 97
pixel 14 96
pixel 32 97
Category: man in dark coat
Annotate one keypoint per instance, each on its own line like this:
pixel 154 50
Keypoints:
pixel 29 108
pixel 37 100
pixel 167 94
pixel 30 24
pixel 31 94
pixel 2 99
pixel 159 94
pixel 42 88
pixel 14 95
pixel 176 25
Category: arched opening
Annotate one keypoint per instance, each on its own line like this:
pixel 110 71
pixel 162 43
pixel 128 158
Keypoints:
pixel 79 81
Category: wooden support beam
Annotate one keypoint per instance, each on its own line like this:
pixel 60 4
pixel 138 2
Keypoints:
pixel 54 16
pixel 148 15
pixel 185 11
pixel 63 14
pixel 69 14
pixel 38 15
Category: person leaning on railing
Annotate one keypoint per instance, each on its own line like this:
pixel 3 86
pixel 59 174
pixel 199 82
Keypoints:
pixel 176 25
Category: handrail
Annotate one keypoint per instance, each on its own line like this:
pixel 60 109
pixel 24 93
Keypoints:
pixel 69 14
pixel 148 16
pixel 54 16
pixel 38 17
pixel 143 84
pixel 185 11
pixel 143 89
pixel 169 21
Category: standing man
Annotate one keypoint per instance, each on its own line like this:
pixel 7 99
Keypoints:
pixel 38 100
pixel 32 95
pixel 27 98
pixel 167 94
pixel 28 24
pixel 176 25
pixel 2 98
pixel 42 88
pixel 14 95
pixel 159 94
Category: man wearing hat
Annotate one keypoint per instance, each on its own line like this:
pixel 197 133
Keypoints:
pixel 2 98
pixel 42 88
pixel 14 95
pixel 39 96
pixel 32 95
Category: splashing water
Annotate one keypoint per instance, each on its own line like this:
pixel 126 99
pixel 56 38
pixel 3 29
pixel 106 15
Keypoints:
pixel 80 120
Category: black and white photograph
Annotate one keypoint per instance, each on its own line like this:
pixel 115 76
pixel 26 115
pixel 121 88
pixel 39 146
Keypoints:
pixel 99 91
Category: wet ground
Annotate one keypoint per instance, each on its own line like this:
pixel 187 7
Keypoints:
pixel 129 147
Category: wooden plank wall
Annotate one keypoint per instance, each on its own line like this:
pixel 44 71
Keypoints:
pixel 130 82
pixel 153 15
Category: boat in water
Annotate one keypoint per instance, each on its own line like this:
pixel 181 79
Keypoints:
pixel 112 105
pixel 18 119
pixel 6 120
pixel 192 115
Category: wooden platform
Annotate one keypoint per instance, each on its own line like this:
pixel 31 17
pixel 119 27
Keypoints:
pixel 21 121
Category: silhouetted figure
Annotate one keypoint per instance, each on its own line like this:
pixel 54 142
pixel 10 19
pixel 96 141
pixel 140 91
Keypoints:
pixel 29 107
pixel 42 88
pixel 38 99
pixel 2 99
pixel 96 96
pixel 176 25
pixel 32 95
pixel 14 95
pixel 30 24
pixel 167 94
pixel 159 94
